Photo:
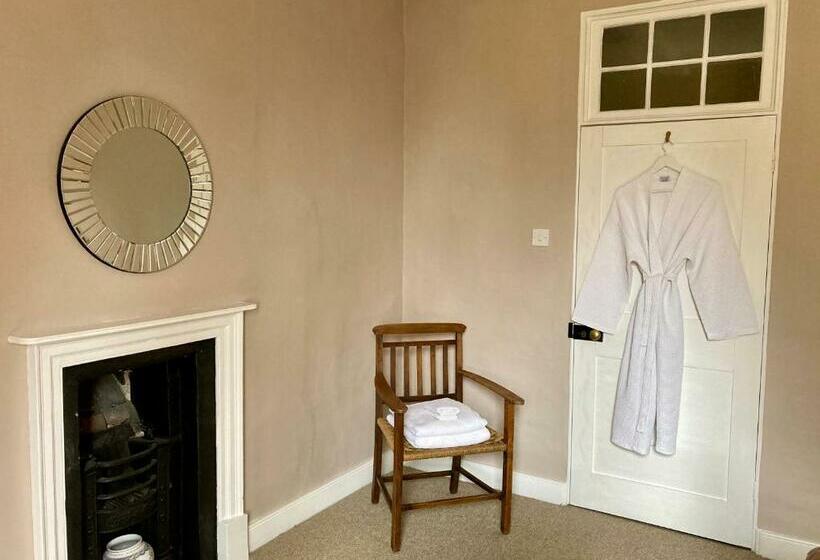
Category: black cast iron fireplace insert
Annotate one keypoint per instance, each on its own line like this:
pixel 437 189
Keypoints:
pixel 140 452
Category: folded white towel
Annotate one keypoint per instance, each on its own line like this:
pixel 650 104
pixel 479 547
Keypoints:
pixel 447 412
pixel 424 419
pixel 455 440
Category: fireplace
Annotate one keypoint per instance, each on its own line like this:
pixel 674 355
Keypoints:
pixel 148 358
pixel 140 452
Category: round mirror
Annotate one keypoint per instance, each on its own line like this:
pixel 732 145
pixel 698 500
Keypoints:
pixel 135 184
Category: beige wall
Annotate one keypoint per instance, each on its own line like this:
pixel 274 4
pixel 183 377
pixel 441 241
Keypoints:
pixel 329 157
pixel 490 137
pixel 300 107
pixel 790 470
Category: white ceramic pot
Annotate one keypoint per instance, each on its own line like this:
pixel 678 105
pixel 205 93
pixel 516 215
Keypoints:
pixel 128 547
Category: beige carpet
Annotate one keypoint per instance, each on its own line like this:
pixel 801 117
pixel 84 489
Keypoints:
pixel 355 529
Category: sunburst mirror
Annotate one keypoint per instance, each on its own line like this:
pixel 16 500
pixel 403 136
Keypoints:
pixel 135 184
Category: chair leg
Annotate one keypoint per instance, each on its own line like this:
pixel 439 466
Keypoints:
pixel 455 475
pixel 398 474
pixel 506 483
pixel 398 468
pixel 375 491
pixel 506 493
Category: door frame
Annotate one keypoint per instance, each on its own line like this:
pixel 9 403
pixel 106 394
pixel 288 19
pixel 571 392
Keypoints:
pixel 776 109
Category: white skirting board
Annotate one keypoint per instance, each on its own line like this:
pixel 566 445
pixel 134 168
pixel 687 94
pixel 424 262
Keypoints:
pixel 267 528
pixel 780 547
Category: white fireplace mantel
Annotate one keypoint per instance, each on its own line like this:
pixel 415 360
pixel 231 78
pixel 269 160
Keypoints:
pixel 48 355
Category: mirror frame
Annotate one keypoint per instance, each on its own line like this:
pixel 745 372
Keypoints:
pixel 81 146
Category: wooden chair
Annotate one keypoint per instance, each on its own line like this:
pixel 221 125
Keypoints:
pixel 439 342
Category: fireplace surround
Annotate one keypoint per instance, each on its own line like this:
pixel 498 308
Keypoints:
pixel 49 355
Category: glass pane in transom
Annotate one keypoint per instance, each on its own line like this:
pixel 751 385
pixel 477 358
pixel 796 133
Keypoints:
pixel 676 86
pixel 625 45
pixel 623 89
pixel 733 81
pixel 736 32
pixel 678 39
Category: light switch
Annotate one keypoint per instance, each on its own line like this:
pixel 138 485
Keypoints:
pixel 540 238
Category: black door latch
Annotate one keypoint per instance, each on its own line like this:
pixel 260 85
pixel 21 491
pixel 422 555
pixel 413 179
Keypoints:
pixel 583 332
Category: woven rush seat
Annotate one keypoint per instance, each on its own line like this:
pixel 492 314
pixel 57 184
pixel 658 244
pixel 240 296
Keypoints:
pixel 492 445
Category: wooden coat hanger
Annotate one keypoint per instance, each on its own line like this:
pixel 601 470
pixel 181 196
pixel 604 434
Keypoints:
pixel 667 160
pixel 668 163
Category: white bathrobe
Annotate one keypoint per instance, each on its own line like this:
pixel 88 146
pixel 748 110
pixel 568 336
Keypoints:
pixel 659 229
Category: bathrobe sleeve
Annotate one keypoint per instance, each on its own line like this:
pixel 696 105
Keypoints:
pixel 716 275
pixel 604 294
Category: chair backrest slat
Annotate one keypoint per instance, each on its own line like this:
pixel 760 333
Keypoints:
pixel 406 371
pixel 419 368
pixel 459 367
pixel 393 367
pixel 433 369
pixel 445 369
pixel 422 342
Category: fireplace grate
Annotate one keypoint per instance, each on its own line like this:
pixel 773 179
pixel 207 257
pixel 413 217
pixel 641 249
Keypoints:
pixel 129 492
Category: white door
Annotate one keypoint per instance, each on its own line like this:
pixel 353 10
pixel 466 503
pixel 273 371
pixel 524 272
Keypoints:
pixel 707 487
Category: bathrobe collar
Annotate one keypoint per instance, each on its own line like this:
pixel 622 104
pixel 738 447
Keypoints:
pixel 684 202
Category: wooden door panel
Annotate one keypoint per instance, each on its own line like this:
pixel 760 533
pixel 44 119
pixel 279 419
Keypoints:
pixel 707 487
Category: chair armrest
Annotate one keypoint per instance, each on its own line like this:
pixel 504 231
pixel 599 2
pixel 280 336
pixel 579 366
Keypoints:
pixel 502 392
pixel 387 395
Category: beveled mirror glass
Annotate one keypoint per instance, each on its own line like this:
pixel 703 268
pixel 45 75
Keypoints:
pixel 135 184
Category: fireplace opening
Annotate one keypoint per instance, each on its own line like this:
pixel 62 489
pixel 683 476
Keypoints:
pixel 140 452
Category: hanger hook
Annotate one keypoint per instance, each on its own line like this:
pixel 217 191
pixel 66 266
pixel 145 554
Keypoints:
pixel 667 141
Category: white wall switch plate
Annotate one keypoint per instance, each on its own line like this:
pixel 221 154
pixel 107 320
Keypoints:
pixel 540 238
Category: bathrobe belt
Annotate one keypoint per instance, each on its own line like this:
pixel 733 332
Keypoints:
pixel 653 290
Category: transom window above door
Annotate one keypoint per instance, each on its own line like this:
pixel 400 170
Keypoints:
pixel 683 59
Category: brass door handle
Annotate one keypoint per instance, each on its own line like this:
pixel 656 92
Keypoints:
pixel 583 332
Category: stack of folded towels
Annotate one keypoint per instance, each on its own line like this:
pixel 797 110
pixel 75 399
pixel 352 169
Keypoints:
pixel 442 423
